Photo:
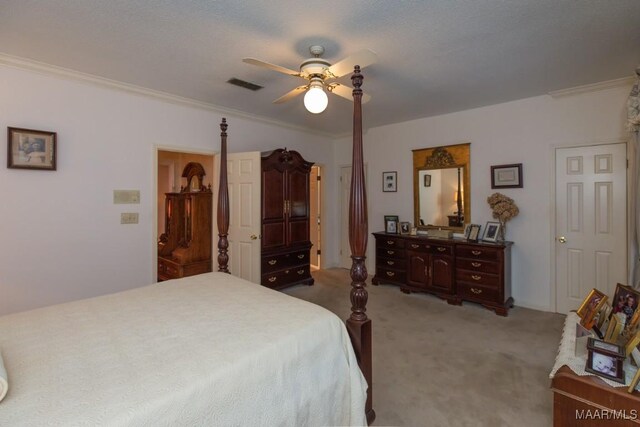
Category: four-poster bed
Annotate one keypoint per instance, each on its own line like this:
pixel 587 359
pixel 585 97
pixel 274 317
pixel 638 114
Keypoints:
pixel 210 349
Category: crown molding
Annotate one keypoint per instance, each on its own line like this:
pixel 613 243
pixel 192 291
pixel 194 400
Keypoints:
pixel 69 74
pixel 608 84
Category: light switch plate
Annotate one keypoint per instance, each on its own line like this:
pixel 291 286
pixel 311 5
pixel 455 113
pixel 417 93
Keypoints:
pixel 126 197
pixel 129 218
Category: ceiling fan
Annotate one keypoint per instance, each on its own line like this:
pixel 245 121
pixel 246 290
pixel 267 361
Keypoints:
pixel 318 72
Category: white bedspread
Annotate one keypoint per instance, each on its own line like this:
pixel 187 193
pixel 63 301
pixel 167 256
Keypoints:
pixel 209 350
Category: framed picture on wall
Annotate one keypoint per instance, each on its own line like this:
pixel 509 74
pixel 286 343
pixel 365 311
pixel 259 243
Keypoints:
pixel 506 176
pixel 31 149
pixel 389 182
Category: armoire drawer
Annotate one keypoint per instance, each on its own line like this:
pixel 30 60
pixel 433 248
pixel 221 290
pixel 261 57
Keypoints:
pixel 278 262
pixel 285 277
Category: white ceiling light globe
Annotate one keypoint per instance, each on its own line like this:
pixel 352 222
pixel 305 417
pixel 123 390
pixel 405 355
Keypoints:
pixel 316 100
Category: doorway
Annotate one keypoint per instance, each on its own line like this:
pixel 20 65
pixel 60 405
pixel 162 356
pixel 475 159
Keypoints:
pixel 315 216
pixel 169 166
pixel 590 221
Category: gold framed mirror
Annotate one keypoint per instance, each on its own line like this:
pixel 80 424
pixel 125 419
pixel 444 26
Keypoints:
pixel 442 187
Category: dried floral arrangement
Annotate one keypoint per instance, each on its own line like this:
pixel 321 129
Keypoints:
pixel 504 209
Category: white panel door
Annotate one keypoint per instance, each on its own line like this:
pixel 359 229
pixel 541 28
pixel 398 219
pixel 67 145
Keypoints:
pixel 591 222
pixel 243 174
pixel 345 193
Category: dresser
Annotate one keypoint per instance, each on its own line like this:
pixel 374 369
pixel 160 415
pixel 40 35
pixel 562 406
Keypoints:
pixel 453 269
pixel 285 219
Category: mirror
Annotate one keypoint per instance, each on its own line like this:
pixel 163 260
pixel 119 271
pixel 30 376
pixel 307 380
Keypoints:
pixel 441 187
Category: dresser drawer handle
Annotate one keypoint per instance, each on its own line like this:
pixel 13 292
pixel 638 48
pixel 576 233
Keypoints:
pixel 476 291
pixel 390 262
pixel 272 279
pixel 390 273
pixel 413 245
pixel 476 264
pixel 391 252
pixel 476 277
pixel 300 272
pixel 273 261
pixel 390 242
pixel 441 249
pixel 476 252
pixel 300 256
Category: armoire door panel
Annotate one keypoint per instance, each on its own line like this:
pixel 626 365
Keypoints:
pixel 298 193
pixel 273 195
pixel 298 231
pixel 273 235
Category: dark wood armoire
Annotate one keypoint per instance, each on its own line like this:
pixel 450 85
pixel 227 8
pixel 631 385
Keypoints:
pixel 285 219
pixel 184 249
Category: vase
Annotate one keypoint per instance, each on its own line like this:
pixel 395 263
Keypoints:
pixel 503 231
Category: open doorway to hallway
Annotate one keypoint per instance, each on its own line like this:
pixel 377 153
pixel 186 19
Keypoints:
pixel 315 216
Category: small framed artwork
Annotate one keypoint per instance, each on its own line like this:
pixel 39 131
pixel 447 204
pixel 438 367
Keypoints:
pixel 605 359
pixel 405 227
pixel 427 180
pixel 632 344
pixel 506 176
pixel 391 226
pixel 474 232
pixel 491 231
pixel 31 149
pixel 625 301
pixel 391 218
pixel 389 182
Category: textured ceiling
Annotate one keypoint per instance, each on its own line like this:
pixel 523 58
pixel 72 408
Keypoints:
pixel 435 56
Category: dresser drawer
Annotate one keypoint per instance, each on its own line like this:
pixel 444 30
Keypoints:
pixel 386 274
pixel 442 249
pixel 478 293
pixel 390 253
pixel 399 264
pixel 477 278
pixel 478 265
pixel 478 252
pixel 417 246
pixel 390 242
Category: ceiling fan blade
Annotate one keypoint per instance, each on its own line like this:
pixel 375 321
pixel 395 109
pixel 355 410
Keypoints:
pixel 273 67
pixel 346 92
pixel 364 58
pixel 291 94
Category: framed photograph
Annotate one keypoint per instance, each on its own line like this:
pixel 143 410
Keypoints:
pixel 427 180
pixel 506 176
pixel 31 149
pixel 405 227
pixel 590 308
pixel 491 231
pixel 389 182
pixel 391 218
pixel 474 232
pixel 634 382
pixel 605 362
pixel 625 300
pixel 391 226
pixel 633 342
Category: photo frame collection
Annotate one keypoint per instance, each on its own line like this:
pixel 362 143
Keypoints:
pixel 393 225
pixel 618 327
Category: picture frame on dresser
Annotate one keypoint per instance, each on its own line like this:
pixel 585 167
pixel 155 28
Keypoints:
pixel 605 360
pixel 473 233
pixel 391 226
pixel 491 231
pixel 405 227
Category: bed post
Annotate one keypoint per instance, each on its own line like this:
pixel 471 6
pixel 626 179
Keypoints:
pixel 358 325
pixel 223 203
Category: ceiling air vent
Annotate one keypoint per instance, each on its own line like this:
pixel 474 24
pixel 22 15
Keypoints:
pixel 242 83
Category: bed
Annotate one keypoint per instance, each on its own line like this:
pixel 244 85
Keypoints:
pixel 211 349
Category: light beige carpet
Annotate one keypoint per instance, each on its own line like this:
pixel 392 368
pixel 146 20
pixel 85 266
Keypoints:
pixel 435 364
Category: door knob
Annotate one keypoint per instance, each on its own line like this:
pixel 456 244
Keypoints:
pixel 253 237
pixel 562 239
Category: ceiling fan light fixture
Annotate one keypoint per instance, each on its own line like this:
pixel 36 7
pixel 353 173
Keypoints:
pixel 316 99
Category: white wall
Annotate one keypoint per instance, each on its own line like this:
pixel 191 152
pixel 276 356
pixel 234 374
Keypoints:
pixel 60 231
pixel 523 131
